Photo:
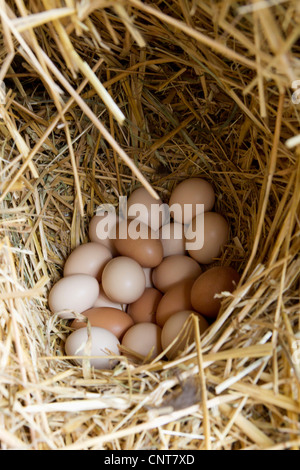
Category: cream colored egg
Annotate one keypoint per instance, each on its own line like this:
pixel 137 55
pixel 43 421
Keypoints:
pixel 88 258
pixel 101 343
pixel 215 236
pixel 172 238
pixel 145 208
pixel 144 339
pixel 102 229
pixel 73 294
pixel 148 276
pixel 103 301
pixel 123 280
pixel 173 330
pixel 188 197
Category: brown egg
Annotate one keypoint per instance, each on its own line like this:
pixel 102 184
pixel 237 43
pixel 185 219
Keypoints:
pixel 216 234
pixel 177 298
pixel 189 193
pixel 102 230
pixel 138 245
pixel 173 269
pixel 172 238
pixel 144 309
pixel 123 280
pixel 88 258
pixel 145 208
pixel 143 338
pixel 172 328
pixel 111 319
pixel 213 281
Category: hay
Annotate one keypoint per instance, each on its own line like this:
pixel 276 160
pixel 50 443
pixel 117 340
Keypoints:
pixel 104 95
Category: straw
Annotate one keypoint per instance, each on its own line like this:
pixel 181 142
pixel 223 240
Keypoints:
pixel 98 98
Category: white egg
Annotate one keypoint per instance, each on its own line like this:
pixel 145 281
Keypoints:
pixel 73 294
pixel 103 343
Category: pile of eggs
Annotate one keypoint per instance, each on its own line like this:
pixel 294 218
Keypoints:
pixel 138 292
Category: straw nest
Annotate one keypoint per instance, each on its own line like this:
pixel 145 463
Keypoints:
pixel 98 97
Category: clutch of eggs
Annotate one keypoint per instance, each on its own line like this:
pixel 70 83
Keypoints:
pixel 134 295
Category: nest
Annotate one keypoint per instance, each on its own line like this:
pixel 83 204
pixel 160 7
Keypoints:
pixel 99 97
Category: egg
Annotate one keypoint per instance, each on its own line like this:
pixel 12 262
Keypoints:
pixel 102 343
pixel 148 276
pixel 73 294
pixel 144 339
pixel 144 309
pixel 214 281
pixel 88 258
pixel 216 234
pixel 123 280
pixel 173 327
pixel 103 301
pixel 110 318
pixel 145 208
pixel 172 239
pixel 173 269
pixel 140 245
pixel 177 298
pixel 187 194
pixel 102 229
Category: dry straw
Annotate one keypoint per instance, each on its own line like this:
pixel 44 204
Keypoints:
pixel 98 97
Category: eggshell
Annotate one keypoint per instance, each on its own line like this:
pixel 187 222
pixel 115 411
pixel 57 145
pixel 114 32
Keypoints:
pixel 145 208
pixel 173 269
pixel 102 230
pixel 214 281
pixel 123 280
pixel 103 343
pixel 142 338
pixel 191 192
pixel 177 298
pixel 88 258
pixel 148 251
pixel 75 293
pixel 172 239
pixel 103 301
pixel 144 309
pixel 216 234
pixel 111 319
pixel 148 275
pixel 173 327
